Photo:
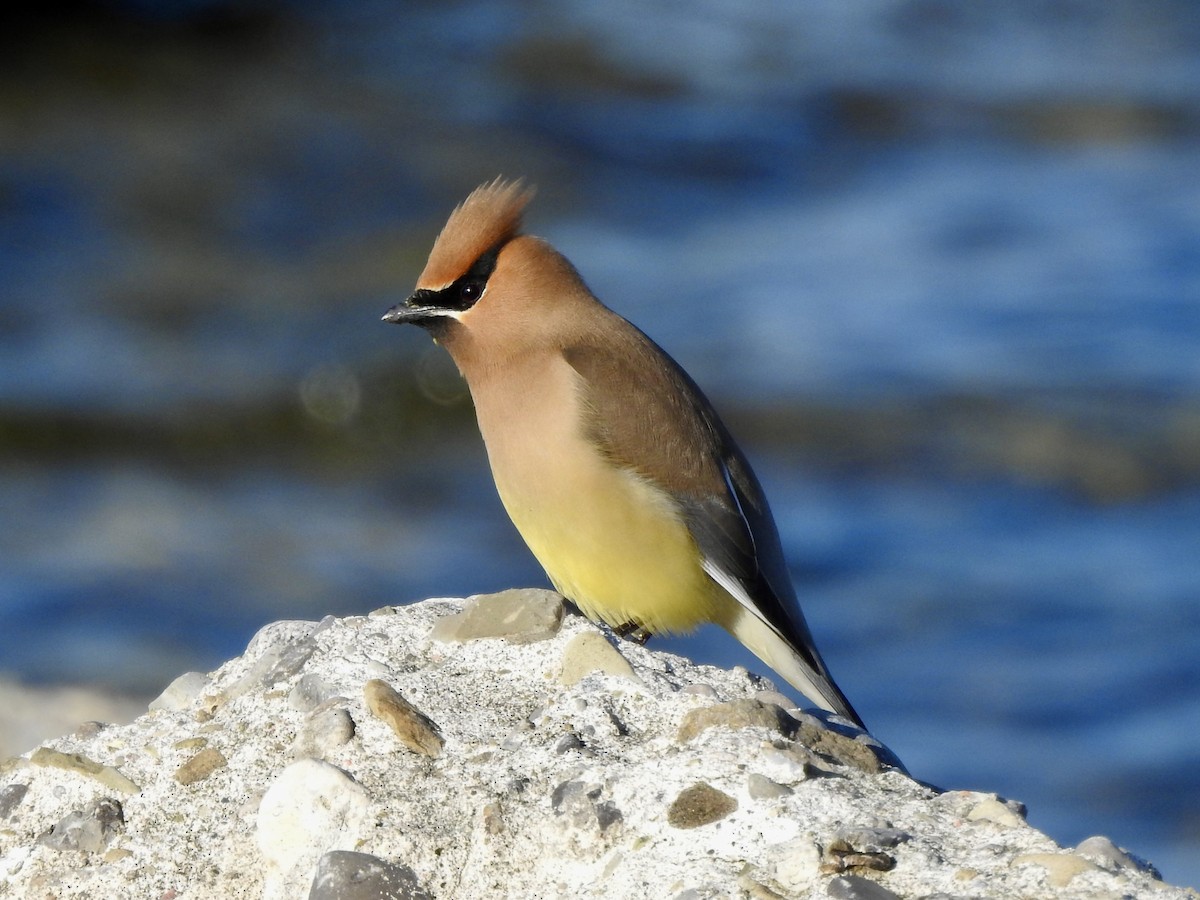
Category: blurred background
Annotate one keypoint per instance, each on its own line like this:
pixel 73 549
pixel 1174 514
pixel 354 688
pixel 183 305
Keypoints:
pixel 938 263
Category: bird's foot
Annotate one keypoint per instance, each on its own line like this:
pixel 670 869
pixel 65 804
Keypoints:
pixel 633 631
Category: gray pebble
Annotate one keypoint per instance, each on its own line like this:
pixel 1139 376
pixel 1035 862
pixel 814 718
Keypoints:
pixel 570 799
pixel 88 729
pixel 87 830
pixel 346 875
pixel 608 813
pixel 568 742
pixel 873 839
pixel 11 796
pixel 855 887
pixel 760 787
pixel 274 666
pixel 519 616
pixel 291 659
pixel 310 692
pixel 327 727
pixel 180 692
pixel 580 803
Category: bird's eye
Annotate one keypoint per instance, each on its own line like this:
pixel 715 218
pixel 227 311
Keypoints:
pixel 471 291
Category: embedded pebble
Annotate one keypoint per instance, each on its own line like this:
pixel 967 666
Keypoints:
pixel 843 750
pixel 310 808
pixel 75 762
pixel 200 766
pixel 997 812
pixel 863 847
pixel 735 714
pixel 1060 867
pixel 346 875
pixel 841 855
pixel 276 664
pixel 11 796
pixel 85 730
pixel 519 616
pixel 590 652
pixel 568 742
pixel 415 730
pixel 580 804
pixel 774 698
pixel 790 764
pixel 180 693
pixel 871 839
pixel 795 864
pixel 87 830
pixel 855 887
pixel 327 727
pixel 700 804
pixel 570 799
pixel 310 692
pixel 1104 852
pixel 762 788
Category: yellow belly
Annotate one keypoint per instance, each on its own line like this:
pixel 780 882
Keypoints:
pixel 609 540
pixel 614 545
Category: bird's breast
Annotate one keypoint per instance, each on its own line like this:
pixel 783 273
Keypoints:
pixel 610 540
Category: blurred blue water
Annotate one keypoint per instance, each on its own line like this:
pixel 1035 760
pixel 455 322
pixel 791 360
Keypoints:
pixel 846 205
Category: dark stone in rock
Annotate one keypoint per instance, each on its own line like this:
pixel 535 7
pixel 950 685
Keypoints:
pixel 841 749
pixel 87 830
pixel 581 803
pixel 872 840
pixel 346 875
pixel 310 692
pixel 841 855
pixel 11 796
pixel 607 813
pixel 569 741
pixel 736 714
pixel 701 804
pixel 855 887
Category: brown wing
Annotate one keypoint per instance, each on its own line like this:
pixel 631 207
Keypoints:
pixel 674 438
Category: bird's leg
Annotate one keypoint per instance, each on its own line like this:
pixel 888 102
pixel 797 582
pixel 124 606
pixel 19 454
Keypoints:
pixel 633 631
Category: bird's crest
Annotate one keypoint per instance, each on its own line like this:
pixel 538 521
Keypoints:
pixel 491 215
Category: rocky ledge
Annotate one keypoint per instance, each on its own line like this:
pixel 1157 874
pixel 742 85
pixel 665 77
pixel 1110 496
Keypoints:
pixel 495 747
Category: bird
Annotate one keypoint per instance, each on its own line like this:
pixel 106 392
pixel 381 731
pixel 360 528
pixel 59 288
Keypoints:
pixel 608 458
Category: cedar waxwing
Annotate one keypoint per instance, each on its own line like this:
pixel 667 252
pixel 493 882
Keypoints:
pixel 611 463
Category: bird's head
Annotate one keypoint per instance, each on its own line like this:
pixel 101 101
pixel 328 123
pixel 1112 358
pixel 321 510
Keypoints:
pixel 464 256
pixel 489 292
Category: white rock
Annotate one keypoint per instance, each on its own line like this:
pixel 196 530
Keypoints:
pixel 479 820
pixel 993 810
pixel 311 808
pixel 180 692
pixel 795 864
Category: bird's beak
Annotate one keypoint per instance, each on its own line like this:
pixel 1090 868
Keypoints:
pixel 411 310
